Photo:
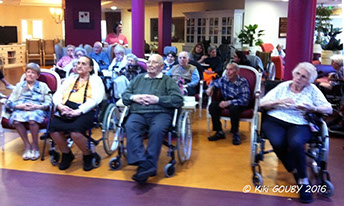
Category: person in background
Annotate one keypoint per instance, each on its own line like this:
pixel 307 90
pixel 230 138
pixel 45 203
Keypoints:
pixel 99 56
pixel 240 58
pixel 185 74
pixel 198 53
pixel 278 51
pixel 29 103
pixel 65 60
pixel 132 69
pixel 75 102
pixel 117 38
pixel 3 80
pixel 169 62
pixel 152 98
pixel 337 77
pixel 285 124
pixel 236 93
pixel 215 65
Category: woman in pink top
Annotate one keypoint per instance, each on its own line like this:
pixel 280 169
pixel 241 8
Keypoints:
pixel 66 59
pixel 117 38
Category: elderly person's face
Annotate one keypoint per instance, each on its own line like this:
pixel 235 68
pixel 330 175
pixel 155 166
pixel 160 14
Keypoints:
pixel 154 65
pixel 131 62
pixel 78 54
pixel 97 48
pixel 119 56
pixel 301 78
pixel 231 72
pixel 70 51
pixel 83 68
pixel 183 59
pixel 31 76
pixel 212 53
pixel 335 65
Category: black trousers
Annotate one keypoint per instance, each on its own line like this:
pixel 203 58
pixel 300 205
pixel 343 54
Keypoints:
pixel 235 112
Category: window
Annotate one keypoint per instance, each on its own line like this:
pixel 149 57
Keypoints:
pixel 177 29
pixel 32 29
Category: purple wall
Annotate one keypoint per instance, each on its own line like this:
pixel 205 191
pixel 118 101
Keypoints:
pixel 300 34
pixel 78 32
pixel 165 25
pixel 138 27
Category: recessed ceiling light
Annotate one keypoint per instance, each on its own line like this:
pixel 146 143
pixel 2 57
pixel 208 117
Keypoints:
pixel 113 7
pixel 1 2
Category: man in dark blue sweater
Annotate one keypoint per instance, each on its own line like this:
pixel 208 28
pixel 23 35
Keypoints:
pixel 152 98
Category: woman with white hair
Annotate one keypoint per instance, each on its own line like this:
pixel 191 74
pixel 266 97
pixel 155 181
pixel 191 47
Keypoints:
pixel 285 125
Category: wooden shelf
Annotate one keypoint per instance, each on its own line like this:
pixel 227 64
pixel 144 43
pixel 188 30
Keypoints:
pixel 12 55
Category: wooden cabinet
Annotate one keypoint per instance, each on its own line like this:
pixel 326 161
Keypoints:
pixel 12 55
pixel 214 26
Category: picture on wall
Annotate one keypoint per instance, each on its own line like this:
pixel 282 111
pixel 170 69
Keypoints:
pixel 282 31
pixel 84 17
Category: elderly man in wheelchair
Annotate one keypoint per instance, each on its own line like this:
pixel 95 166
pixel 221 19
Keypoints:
pixel 286 125
pixel 152 98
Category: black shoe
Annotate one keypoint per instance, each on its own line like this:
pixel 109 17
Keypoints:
pixel 305 193
pixel 144 171
pixel 87 162
pixel 66 161
pixel 218 135
pixel 236 139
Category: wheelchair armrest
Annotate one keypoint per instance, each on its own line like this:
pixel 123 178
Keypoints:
pixel 174 120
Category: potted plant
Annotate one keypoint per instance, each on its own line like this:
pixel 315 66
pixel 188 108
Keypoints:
pixel 250 36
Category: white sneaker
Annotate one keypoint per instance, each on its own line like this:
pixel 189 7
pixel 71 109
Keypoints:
pixel 10 86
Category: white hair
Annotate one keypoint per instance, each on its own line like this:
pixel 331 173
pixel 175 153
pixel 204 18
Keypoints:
pixel 310 69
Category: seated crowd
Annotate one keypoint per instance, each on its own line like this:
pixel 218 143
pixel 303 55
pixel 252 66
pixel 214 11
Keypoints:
pixel 153 93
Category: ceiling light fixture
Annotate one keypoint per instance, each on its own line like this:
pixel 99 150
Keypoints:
pixel 113 7
pixel 57 15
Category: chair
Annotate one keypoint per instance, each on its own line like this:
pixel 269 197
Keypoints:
pixel 249 115
pixel 48 51
pixel 52 79
pixel 267 47
pixel 88 48
pixel 269 67
pixel 33 50
pixel 58 51
pixel 168 49
pixel 279 67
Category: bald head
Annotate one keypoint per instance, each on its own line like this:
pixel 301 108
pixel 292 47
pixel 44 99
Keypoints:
pixel 183 58
pixel 155 65
pixel 97 47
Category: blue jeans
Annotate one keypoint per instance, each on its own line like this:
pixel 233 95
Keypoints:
pixel 288 142
pixel 156 124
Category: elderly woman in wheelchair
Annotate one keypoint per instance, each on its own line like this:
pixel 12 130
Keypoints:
pixel 152 98
pixel 28 102
pixel 285 124
pixel 75 101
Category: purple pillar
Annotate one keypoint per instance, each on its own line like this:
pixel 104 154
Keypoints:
pixel 138 27
pixel 165 25
pixel 300 34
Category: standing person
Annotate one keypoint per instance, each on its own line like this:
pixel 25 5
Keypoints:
pixel 152 98
pixel 75 101
pixel 236 93
pixel 117 38
pixel 29 103
pixel 99 56
pixel 285 124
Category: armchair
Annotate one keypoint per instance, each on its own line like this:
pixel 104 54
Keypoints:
pixel 48 51
pixel 33 50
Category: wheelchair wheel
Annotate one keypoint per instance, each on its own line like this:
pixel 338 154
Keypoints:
pixel 257 179
pixel 54 157
pixel 96 160
pixel 169 170
pixel 184 140
pixel 329 189
pixel 115 163
pixel 109 128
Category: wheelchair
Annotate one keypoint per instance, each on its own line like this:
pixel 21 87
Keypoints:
pixel 317 149
pixel 99 119
pixel 180 130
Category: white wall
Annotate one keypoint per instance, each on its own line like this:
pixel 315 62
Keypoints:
pixel 266 14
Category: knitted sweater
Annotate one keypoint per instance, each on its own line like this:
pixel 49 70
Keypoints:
pixel 165 88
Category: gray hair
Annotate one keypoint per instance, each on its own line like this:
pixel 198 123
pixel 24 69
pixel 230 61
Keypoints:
pixel 80 49
pixel 234 64
pixel 70 46
pixel 33 66
pixel 338 59
pixel 132 56
pixel 211 48
pixel 119 49
pixel 310 69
